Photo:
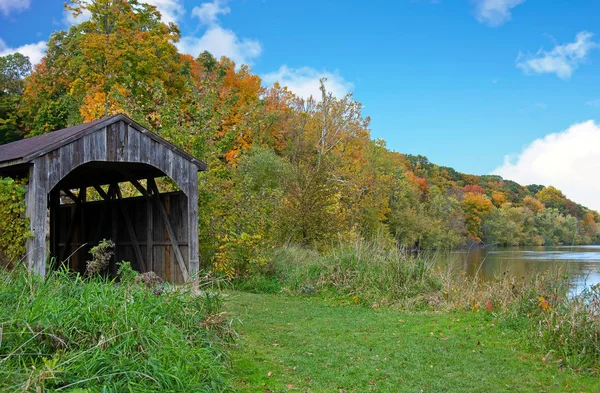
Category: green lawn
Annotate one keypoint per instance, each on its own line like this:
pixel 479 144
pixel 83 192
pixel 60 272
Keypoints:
pixel 309 345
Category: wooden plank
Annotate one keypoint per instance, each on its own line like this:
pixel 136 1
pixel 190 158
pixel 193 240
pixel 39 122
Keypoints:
pixel 149 233
pixel 82 216
pixel 132 237
pixel 111 142
pixel 74 219
pixel 192 219
pixel 170 231
pixel 54 224
pixel 115 224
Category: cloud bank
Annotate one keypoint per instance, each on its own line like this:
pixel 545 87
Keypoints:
pixel 35 51
pixel 562 60
pixel 568 160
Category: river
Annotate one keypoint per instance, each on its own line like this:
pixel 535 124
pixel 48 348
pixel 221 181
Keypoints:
pixel 581 263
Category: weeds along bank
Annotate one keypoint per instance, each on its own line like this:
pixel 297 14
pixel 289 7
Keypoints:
pixel 566 329
pixel 65 333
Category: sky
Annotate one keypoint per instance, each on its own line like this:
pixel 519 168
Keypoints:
pixel 508 87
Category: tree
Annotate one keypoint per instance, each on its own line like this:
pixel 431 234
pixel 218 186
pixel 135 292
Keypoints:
pixel 476 208
pixel 13 69
pixel 123 59
pixel 552 197
pixel 310 212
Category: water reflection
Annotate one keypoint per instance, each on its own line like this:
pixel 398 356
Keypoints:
pixel 581 263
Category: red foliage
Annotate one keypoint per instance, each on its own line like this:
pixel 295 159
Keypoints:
pixel 473 189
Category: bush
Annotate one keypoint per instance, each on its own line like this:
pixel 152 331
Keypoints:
pixel 69 334
pixel 14 227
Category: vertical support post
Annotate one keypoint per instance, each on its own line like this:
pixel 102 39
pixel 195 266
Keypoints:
pixel 149 232
pixel 36 210
pixel 54 227
pixel 82 227
pixel 112 192
pixel 192 201
pixel 132 236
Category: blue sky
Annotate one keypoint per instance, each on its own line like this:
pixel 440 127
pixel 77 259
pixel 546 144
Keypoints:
pixel 466 83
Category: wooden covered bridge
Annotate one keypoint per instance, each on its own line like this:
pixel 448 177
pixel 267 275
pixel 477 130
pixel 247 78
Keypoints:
pixel 157 232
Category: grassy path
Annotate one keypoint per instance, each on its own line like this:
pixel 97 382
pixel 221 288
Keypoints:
pixel 308 345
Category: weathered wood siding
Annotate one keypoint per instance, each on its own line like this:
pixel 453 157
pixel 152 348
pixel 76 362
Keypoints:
pixel 95 228
pixel 117 142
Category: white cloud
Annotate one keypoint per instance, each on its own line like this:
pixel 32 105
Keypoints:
pixel 594 104
pixel 568 160
pixel 495 12
pixel 222 42
pixel 171 10
pixel 8 6
pixel 35 52
pixel 562 60
pixel 218 40
pixel 208 13
pixel 70 20
pixel 304 81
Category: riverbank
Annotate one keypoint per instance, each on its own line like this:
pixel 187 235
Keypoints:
pixel 307 344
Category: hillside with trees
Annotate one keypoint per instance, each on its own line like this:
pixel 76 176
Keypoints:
pixel 283 169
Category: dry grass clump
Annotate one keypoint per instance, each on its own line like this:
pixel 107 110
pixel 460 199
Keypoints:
pixel 101 256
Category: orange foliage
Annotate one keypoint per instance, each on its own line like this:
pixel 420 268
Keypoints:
pixel 533 204
pixel 419 182
pixel 498 198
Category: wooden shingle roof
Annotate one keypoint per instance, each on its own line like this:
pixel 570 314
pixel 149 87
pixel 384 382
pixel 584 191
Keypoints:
pixel 26 150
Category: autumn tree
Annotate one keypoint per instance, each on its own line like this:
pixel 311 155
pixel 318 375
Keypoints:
pixel 121 60
pixel 476 208
pixel 13 69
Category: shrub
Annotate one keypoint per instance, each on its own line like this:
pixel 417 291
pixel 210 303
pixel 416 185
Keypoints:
pixel 14 227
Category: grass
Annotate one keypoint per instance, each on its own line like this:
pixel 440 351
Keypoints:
pixel 67 334
pixel 308 344
pixel 368 274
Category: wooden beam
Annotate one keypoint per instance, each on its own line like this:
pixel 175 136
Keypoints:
pixel 112 191
pixel 132 237
pixel 70 195
pixel 133 180
pixel 54 228
pixel 74 219
pixel 140 188
pixel 103 194
pixel 149 232
pixel 105 212
pixel 169 226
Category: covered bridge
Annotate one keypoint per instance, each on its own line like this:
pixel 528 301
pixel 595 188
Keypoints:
pixel 76 178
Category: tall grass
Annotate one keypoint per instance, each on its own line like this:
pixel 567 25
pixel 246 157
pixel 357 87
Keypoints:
pixel 364 272
pixel 64 333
